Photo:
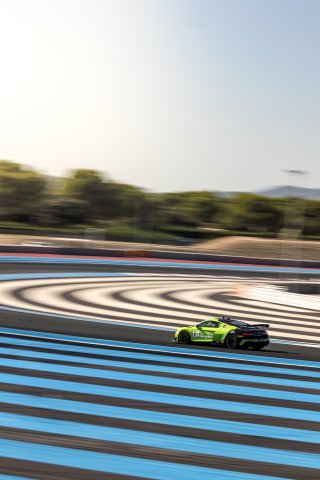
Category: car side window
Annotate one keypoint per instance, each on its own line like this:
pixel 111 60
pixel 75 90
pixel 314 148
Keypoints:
pixel 212 324
pixel 203 324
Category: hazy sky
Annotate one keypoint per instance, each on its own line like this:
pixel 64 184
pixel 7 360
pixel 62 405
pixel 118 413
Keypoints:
pixel 168 95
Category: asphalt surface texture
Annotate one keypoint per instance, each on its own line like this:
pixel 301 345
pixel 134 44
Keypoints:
pixel 84 410
pixel 132 334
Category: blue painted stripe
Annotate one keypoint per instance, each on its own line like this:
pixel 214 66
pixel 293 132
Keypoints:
pixel 117 464
pixel 161 440
pixel 156 397
pixel 13 477
pixel 209 374
pixel 151 416
pixel 211 354
pixel 160 263
pixel 167 381
pixel 157 358
pixel 27 276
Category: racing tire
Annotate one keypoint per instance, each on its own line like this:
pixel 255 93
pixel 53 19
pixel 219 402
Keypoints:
pixel 184 337
pixel 231 341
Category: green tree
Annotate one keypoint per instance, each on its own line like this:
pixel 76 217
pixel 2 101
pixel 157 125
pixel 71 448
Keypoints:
pixel 87 186
pixel 133 204
pixel 189 208
pixel 246 211
pixel 65 211
pixel 106 200
pixel 311 217
pixel 200 206
pixel 22 190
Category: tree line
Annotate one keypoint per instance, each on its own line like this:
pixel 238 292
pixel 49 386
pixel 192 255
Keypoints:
pixel 87 197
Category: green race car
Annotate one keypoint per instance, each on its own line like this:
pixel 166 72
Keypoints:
pixel 226 332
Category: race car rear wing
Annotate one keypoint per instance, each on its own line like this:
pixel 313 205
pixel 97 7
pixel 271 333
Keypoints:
pixel 265 325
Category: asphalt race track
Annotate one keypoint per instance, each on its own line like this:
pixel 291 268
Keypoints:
pixel 92 386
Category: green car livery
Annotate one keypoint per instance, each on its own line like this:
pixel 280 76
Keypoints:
pixel 225 331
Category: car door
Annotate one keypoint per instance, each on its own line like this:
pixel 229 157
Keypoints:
pixel 219 332
pixel 210 329
pixel 205 331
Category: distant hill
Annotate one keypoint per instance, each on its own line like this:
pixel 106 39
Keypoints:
pixel 290 191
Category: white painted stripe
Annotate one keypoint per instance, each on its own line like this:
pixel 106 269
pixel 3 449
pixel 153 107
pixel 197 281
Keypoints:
pixel 101 293
pixel 276 294
pixel 220 308
pixel 200 299
pixel 280 309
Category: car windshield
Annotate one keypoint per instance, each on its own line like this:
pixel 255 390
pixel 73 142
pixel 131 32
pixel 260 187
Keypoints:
pixel 236 323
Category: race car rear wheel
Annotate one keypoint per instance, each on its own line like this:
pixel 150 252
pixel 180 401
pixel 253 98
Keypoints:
pixel 231 341
pixel 184 337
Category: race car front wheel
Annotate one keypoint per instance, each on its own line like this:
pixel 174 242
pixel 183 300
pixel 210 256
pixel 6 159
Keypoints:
pixel 231 341
pixel 184 337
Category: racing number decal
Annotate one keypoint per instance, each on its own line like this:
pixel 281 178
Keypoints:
pixel 196 334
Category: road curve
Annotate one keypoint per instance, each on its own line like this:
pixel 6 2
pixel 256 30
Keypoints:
pixel 123 327
pixel 93 387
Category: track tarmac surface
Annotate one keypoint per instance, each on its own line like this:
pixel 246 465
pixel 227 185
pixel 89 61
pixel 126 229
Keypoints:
pixel 87 399
pixel 48 323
